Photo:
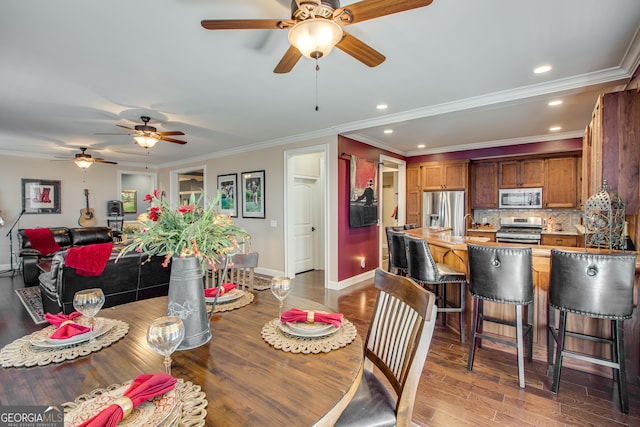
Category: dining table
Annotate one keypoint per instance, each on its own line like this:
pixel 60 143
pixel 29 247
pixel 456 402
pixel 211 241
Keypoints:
pixel 247 381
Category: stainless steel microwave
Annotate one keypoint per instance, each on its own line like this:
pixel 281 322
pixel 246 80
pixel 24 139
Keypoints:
pixel 520 198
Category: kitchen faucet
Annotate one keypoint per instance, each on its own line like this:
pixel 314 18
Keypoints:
pixel 473 221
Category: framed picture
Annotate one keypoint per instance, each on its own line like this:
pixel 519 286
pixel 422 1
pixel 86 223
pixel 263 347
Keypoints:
pixel 253 194
pixel 363 198
pixel 129 201
pixel 40 196
pixel 228 189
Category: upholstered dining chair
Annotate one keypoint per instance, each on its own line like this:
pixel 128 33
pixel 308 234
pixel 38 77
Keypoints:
pixel 423 268
pixel 397 344
pixel 599 286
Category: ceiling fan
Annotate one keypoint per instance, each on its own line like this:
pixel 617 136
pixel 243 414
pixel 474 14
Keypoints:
pixel 146 136
pixel 315 28
pixel 84 160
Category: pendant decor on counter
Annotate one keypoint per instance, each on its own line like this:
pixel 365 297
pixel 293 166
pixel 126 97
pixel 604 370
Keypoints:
pixel 604 220
pixel 186 300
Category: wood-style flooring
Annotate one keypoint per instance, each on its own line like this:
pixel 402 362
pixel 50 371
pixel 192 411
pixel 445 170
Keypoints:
pixel 448 395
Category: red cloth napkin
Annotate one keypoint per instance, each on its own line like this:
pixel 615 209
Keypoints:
pixel 296 315
pixel 224 288
pixel 67 330
pixel 89 260
pixel 143 388
pixel 42 240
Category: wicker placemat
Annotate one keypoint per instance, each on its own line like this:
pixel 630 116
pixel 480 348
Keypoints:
pixel 194 402
pixel 20 353
pixel 272 334
pixel 245 299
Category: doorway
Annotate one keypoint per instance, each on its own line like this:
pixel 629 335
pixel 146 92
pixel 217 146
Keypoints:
pixel 305 210
pixel 392 200
pixel 187 182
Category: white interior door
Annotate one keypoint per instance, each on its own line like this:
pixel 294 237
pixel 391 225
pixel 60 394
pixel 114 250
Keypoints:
pixel 303 194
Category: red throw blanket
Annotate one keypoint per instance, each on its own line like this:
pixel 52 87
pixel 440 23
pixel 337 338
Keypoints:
pixel 89 260
pixel 42 240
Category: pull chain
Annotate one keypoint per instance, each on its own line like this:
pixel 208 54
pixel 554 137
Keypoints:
pixel 317 69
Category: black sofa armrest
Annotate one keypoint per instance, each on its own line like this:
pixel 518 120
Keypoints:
pixel 90 235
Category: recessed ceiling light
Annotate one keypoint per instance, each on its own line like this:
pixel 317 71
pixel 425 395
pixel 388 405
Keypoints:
pixel 555 128
pixel 554 102
pixel 382 106
pixel 388 131
pixel 542 69
pixel 421 145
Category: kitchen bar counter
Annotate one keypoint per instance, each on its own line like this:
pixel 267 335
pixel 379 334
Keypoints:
pixel 452 250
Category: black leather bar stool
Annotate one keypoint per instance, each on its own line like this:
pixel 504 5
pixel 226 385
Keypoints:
pixel 397 254
pixel 424 270
pixel 593 285
pixel 388 229
pixel 503 275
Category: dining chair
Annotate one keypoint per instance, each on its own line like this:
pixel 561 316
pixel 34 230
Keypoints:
pixel 424 270
pixel 240 270
pixel 396 346
pixel 598 286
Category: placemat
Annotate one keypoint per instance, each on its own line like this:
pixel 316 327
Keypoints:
pixel 20 353
pixel 272 334
pixel 194 402
pixel 245 299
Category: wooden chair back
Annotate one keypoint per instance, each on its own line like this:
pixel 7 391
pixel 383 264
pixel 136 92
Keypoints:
pixel 240 270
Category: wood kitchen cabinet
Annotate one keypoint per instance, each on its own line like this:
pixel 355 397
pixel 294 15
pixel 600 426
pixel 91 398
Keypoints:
pixel 567 240
pixel 521 173
pixel 414 195
pixel 484 185
pixel 561 183
pixel 445 175
pixel 611 148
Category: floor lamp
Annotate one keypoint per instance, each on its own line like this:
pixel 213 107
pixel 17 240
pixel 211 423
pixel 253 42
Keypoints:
pixel 10 235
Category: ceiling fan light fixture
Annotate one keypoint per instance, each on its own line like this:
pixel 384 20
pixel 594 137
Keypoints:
pixel 145 141
pixel 83 162
pixel 316 37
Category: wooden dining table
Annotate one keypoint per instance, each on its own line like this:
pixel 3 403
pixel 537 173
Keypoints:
pixel 247 381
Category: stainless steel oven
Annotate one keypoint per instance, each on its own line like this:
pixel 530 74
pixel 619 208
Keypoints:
pixel 523 230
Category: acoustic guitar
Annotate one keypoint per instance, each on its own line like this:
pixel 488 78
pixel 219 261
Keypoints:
pixel 87 216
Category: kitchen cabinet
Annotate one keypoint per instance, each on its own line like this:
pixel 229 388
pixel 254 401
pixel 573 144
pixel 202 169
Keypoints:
pixel 484 185
pixel 414 196
pixel 568 240
pixel 445 175
pixel 521 173
pixel 491 235
pixel 611 148
pixel 561 183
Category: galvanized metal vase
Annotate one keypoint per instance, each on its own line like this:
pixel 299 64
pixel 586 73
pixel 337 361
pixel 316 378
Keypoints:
pixel 186 300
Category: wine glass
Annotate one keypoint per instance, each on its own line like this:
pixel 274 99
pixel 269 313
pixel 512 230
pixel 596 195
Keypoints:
pixel 88 302
pixel 280 287
pixel 165 335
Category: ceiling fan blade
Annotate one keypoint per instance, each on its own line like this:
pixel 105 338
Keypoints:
pixel 125 127
pixel 175 132
pixel 177 141
pixel 242 24
pixel 104 161
pixel 360 50
pixel 288 61
pixel 369 9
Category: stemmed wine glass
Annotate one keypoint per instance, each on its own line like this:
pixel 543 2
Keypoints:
pixel 280 286
pixel 88 302
pixel 165 335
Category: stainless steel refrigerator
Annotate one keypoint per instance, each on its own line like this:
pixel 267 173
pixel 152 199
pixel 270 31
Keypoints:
pixel 444 209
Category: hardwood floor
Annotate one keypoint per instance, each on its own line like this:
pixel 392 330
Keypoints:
pixel 448 395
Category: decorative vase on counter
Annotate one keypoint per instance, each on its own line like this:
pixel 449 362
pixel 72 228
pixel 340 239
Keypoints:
pixel 186 300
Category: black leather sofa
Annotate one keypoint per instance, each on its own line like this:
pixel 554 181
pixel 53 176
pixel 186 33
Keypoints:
pixel 66 238
pixel 124 281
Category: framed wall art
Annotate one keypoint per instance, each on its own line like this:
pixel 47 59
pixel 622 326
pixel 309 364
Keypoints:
pixel 253 194
pixel 363 200
pixel 40 196
pixel 228 189
pixel 129 201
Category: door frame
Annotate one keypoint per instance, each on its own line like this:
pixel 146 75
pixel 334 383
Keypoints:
pixel 402 197
pixel 174 184
pixel 289 207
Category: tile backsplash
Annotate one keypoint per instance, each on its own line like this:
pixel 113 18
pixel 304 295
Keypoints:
pixel 565 219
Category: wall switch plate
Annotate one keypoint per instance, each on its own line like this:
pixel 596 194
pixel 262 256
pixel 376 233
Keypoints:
pixel 274 223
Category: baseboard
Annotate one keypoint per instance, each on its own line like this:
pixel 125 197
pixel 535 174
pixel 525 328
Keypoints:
pixel 269 272
pixel 338 286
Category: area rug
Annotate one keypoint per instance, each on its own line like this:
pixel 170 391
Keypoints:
pixel 30 298
pixel 261 282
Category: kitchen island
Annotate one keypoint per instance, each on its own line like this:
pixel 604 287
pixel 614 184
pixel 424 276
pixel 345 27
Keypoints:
pixel 452 250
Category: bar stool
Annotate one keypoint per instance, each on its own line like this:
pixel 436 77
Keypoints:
pixel 424 270
pixel 397 254
pixel 390 245
pixel 593 285
pixel 503 275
